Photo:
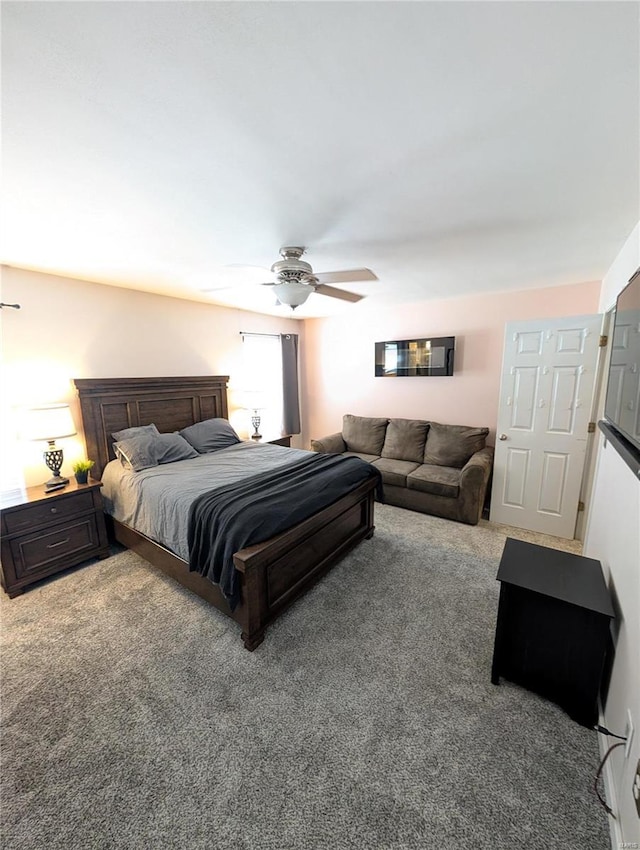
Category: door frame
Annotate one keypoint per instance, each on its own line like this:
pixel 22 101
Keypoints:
pixel 597 412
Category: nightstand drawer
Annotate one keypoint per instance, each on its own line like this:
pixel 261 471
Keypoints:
pixel 47 512
pixel 39 552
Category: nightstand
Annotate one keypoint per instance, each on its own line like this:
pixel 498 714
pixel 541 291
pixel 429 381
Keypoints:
pixel 276 441
pixel 45 533
pixel 281 441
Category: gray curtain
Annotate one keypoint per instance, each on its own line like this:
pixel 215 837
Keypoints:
pixel 290 397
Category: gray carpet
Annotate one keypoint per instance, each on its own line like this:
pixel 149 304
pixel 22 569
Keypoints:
pixel 134 718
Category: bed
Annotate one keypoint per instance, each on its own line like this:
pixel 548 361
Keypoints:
pixel 271 574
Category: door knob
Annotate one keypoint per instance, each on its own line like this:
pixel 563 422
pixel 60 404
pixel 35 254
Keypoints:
pixel 503 437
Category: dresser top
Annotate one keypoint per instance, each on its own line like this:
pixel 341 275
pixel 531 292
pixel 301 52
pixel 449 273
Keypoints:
pixel 38 494
pixel 560 575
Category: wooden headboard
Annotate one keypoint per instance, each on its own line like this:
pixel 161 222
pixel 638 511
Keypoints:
pixel 110 404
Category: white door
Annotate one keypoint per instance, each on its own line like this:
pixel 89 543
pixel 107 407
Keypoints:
pixel 546 398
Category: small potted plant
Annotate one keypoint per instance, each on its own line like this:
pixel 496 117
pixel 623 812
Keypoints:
pixel 81 470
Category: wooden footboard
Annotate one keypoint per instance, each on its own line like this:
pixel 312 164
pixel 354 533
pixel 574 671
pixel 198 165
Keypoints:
pixel 275 573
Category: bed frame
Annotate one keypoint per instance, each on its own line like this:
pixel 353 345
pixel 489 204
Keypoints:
pixel 272 574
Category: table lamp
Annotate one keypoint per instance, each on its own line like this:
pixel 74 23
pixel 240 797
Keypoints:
pixel 254 401
pixel 51 422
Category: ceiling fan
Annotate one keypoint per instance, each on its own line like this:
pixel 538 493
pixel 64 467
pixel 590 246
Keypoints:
pixel 295 280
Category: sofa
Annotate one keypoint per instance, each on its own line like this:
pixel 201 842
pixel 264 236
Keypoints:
pixel 426 466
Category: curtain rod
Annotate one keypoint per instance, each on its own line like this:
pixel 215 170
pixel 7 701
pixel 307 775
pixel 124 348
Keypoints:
pixel 248 333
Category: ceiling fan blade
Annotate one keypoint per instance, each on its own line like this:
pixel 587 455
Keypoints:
pixel 346 276
pixel 342 294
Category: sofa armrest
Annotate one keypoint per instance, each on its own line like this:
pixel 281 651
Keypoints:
pixel 333 444
pixel 474 481
pixel 478 468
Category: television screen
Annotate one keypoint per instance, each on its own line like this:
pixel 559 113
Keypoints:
pixel 622 405
pixel 408 358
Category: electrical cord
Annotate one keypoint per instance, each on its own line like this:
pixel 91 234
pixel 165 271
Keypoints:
pixel 599 772
pixel 604 731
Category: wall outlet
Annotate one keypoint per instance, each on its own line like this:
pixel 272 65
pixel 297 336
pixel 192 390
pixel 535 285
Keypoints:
pixel 628 734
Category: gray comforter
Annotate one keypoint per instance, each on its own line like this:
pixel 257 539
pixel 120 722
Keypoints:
pixel 156 501
pixel 253 510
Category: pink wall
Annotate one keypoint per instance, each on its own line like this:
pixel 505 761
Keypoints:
pixel 75 329
pixel 120 332
pixel 339 363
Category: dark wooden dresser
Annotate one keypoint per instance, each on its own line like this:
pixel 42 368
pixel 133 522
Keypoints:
pixel 45 533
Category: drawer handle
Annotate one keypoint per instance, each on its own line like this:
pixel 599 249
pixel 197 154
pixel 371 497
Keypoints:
pixel 60 543
pixel 54 510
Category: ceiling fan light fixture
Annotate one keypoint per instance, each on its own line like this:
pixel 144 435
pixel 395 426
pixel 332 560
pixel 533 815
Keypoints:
pixel 292 294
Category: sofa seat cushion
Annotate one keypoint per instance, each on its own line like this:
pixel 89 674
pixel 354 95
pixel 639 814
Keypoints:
pixel 394 472
pixel 437 480
pixel 362 456
pixel 363 433
pixel 405 439
pixel 453 445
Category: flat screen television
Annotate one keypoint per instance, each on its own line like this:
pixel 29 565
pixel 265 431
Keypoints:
pixel 622 404
pixel 415 358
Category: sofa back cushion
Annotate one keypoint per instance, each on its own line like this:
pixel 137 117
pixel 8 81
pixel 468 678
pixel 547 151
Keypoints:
pixel 405 439
pixel 453 445
pixel 363 433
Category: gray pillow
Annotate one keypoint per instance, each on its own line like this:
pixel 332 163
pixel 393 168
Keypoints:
pixel 145 450
pixel 453 445
pixel 405 439
pixel 134 432
pixel 210 435
pixel 363 433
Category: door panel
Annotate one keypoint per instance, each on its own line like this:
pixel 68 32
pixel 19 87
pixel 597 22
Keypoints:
pixel 563 401
pixel 525 391
pixel 553 482
pixel 546 398
pixel 530 342
pixel 518 461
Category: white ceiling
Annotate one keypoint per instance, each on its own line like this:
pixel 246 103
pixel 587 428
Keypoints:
pixel 450 147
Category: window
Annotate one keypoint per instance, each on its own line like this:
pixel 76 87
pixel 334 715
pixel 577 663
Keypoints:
pixel 261 382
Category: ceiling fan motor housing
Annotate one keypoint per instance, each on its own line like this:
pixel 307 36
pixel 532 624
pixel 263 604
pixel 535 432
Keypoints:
pixel 291 267
pixel 295 280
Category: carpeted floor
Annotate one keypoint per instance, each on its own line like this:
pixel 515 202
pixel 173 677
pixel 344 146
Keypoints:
pixel 134 718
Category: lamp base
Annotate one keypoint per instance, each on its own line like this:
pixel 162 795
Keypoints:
pixel 255 421
pixel 53 458
pixel 56 483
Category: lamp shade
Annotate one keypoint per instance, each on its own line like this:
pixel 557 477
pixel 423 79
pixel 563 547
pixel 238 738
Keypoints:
pixel 49 422
pixel 254 400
